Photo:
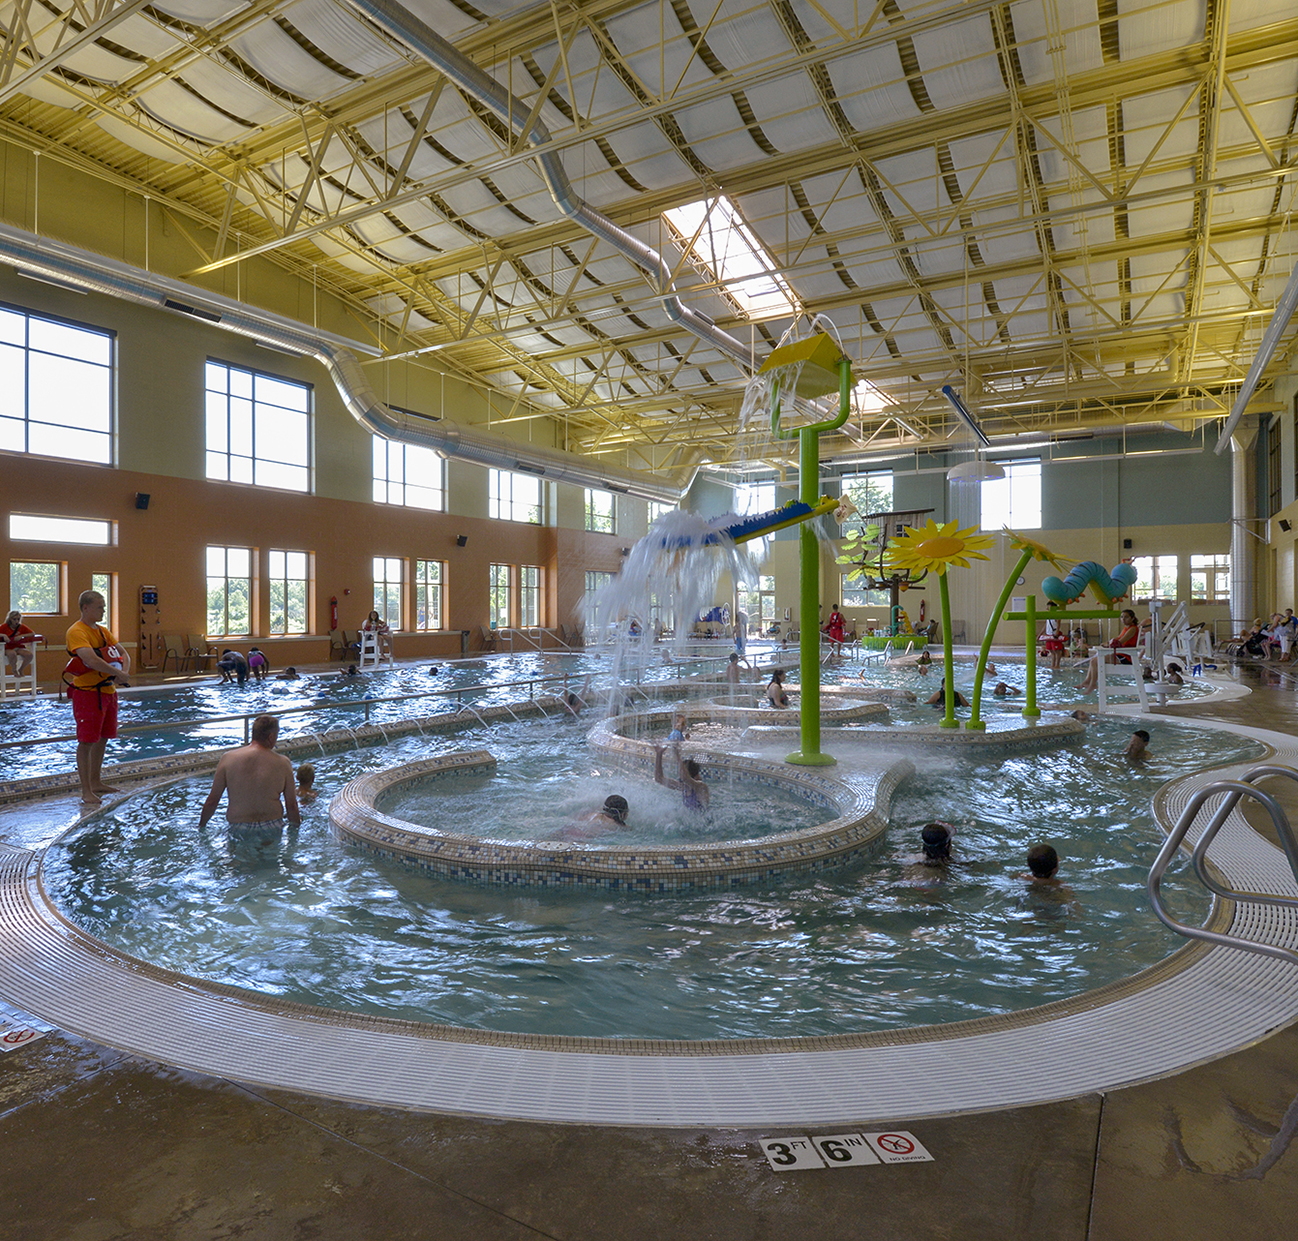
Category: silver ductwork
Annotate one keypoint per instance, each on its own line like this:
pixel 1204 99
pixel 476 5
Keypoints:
pixel 63 264
pixel 458 68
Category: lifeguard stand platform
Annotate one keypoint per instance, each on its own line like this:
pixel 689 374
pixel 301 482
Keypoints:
pixel 372 654
pixel 19 683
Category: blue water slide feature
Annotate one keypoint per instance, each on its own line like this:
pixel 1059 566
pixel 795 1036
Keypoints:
pixel 1107 586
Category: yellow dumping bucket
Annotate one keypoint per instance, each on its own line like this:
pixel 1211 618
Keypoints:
pixel 819 356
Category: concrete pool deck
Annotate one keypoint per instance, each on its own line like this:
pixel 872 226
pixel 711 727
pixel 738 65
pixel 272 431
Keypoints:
pixel 115 1138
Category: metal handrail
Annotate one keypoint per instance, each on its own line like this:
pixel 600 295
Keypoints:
pixel 1231 792
pixel 246 718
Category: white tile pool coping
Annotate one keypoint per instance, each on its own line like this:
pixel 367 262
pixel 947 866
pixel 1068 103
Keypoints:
pixel 1199 1005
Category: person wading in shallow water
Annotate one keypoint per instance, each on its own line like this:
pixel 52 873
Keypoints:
pixel 256 779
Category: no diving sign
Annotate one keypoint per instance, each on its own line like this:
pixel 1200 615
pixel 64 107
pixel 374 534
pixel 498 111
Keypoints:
pixel 844 1150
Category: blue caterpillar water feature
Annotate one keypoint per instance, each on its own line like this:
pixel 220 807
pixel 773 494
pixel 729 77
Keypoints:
pixel 1106 586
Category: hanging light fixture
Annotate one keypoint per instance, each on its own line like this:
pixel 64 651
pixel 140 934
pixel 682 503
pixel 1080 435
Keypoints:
pixel 978 470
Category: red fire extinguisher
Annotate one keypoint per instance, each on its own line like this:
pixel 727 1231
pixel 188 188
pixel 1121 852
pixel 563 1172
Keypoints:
pixel 333 612
pixel 923 607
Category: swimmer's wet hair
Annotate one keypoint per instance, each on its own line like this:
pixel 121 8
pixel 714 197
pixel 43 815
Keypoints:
pixel 693 768
pixel 1142 734
pixel 1043 861
pixel 306 775
pixel 615 807
pixel 937 840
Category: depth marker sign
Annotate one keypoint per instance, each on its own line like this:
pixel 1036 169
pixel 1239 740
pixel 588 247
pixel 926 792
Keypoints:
pixel 844 1150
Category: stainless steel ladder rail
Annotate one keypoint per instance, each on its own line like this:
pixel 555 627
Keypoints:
pixel 1231 792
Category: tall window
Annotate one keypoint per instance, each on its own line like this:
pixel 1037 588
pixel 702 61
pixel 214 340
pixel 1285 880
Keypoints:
pixel 1155 577
pixel 229 590
pixel 34 586
pixel 656 510
pixel 529 595
pixel 499 582
pixel 1014 500
pixel 288 579
pixel 408 474
pixel 387 589
pixel 1210 578
pixel 855 595
pixel 759 603
pixel 258 428
pixel 514 497
pixel 870 491
pixel 595 578
pixel 1273 468
pixel 754 498
pixel 430 598
pixel 600 513
pixel 103 583
pixel 57 380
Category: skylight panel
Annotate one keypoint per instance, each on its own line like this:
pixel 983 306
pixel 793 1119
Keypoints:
pixel 719 241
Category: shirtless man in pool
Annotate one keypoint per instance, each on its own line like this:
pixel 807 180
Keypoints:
pixel 256 778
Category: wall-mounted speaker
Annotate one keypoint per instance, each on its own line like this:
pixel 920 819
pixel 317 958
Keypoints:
pixel 141 499
pixel 1126 545
pixel 1285 526
pixel 461 540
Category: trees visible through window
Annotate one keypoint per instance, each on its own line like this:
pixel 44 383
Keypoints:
pixel 870 491
pixel 34 586
pixel 1155 577
pixel 529 595
pixel 288 592
pixel 229 590
pixel 595 578
pixel 1014 500
pixel 600 511
pixel 514 497
pixel 759 603
pixel 855 595
pixel 408 474
pixel 500 576
pixel 430 585
pixel 57 380
pixel 258 428
pixel 387 589
pixel 1210 578
pixel 103 583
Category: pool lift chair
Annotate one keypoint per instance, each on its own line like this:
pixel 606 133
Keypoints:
pixel 1270 916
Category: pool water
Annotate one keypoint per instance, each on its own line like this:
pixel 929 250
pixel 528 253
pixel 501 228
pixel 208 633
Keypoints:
pixel 541 794
pixel 886 945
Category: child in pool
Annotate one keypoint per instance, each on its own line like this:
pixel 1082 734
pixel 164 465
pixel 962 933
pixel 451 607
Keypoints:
pixel 305 784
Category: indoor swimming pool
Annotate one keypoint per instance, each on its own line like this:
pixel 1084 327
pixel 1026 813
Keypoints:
pixel 881 946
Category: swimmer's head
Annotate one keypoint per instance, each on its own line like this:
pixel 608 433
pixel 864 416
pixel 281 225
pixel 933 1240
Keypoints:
pixel 1043 861
pixel 1142 734
pixel 925 657
pixel 306 775
pixel 693 768
pixel 433 671
pixel 936 838
pixel 615 807
pixel 734 657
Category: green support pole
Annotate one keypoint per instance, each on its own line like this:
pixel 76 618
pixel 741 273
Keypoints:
pixel 976 721
pixel 1030 709
pixel 948 664
pixel 809 565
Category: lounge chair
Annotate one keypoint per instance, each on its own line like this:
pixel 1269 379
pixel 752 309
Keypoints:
pixel 177 650
pixel 488 637
pixel 198 651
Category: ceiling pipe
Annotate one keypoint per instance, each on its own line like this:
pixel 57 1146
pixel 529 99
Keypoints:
pixel 407 29
pixel 1284 309
pixel 69 266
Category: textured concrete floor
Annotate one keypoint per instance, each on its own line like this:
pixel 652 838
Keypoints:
pixel 101 1146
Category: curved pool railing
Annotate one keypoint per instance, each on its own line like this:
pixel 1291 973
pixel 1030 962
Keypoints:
pixel 1231 792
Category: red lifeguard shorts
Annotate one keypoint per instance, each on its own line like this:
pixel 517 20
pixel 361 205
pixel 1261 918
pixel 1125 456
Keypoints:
pixel 95 714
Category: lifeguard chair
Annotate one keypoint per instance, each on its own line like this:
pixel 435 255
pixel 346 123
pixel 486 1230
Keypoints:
pixel 20 682
pixel 372 654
